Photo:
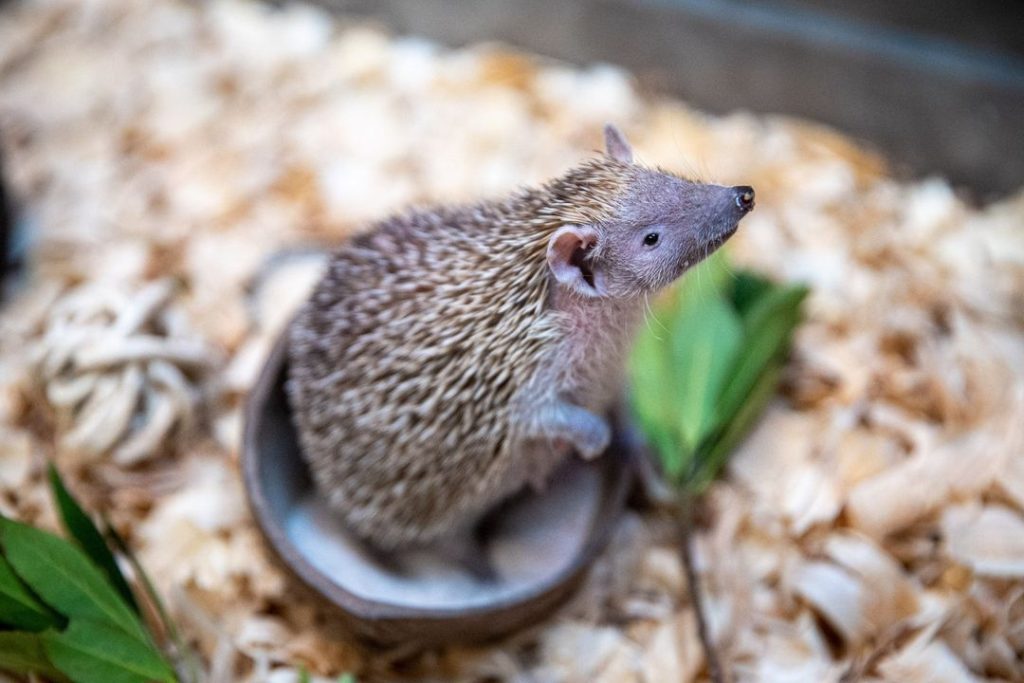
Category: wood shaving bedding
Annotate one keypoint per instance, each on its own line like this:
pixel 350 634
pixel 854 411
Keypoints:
pixel 870 529
pixel 116 368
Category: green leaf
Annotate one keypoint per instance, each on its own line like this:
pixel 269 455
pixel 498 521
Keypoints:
pixel 652 394
pixel 675 458
pixel 18 607
pixel 705 338
pixel 768 329
pixel 747 289
pixel 347 678
pixel 65 578
pixel 699 385
pixel 81 528
pixel 779 298
pixel 709 280
pixel 712 458
pixel 304 676
pixel 656 399
pixel 23 654
pixel 91 651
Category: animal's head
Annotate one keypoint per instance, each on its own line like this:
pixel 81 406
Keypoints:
pixel 651 227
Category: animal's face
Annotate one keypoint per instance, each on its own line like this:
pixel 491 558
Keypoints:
pixel 664 226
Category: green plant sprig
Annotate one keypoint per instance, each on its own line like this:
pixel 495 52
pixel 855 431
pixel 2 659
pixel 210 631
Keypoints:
pixel 67 613
pixel 305 677
pixel 703 370
pixel 707 364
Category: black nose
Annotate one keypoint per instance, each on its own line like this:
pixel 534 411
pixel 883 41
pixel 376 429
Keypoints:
pixel 744 197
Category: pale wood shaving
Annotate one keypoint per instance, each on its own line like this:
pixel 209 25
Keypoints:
pixel 117 371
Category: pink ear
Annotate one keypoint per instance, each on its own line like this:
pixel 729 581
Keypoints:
pixel 567 250
pixel 616 145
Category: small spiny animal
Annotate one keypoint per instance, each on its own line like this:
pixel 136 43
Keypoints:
pixel 451 356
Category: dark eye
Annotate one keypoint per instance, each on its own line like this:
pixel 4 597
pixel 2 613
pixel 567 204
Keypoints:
pixel 651 238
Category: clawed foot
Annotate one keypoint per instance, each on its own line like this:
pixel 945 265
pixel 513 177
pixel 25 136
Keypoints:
pixel 593 440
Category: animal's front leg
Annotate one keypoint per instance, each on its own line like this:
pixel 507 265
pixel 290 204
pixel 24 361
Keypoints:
pixel 549 430
pixel 588 434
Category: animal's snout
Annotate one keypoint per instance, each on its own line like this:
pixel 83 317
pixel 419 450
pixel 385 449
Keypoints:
pixel 743 196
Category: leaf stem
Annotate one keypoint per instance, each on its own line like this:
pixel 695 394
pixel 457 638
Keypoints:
pixel 684 519
pixel 184 658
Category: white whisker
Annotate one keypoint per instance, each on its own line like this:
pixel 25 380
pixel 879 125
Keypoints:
pixel 649 315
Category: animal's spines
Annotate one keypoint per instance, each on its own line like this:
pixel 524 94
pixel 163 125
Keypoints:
pixel 415 344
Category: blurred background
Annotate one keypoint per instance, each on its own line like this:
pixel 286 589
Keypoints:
pixel 938 86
